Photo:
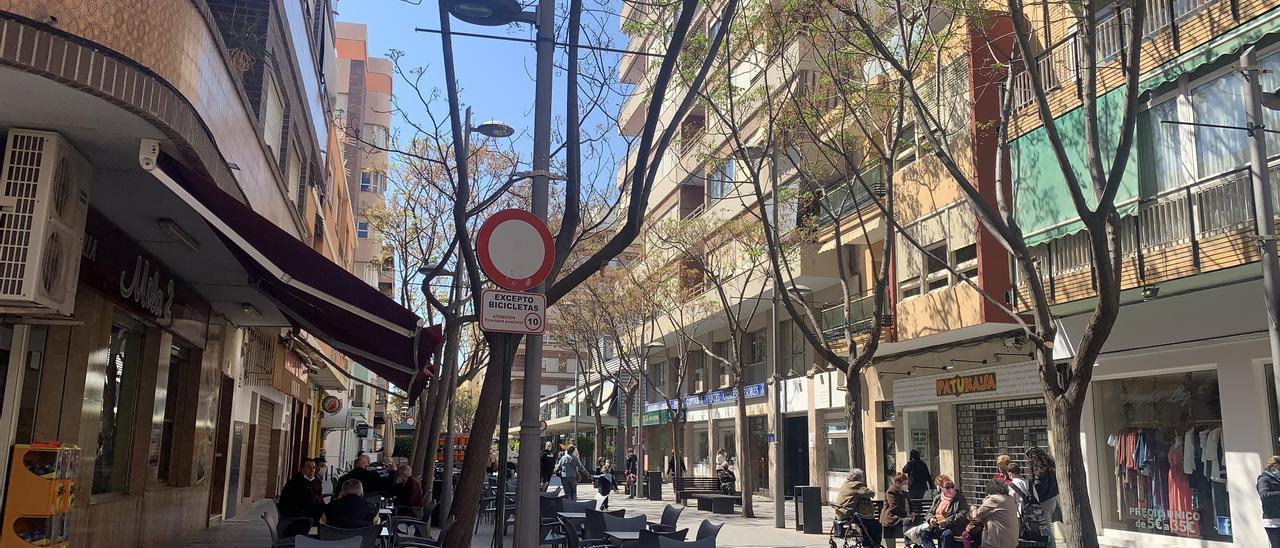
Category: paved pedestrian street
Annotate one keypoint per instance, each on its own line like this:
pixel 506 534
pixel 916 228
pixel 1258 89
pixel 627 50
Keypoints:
pixel 248 530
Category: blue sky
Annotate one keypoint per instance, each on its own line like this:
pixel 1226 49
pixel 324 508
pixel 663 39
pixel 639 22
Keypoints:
pixel 495 77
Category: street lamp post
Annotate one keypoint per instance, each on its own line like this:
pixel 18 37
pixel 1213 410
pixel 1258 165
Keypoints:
pixel 1263 207
pixel 499 13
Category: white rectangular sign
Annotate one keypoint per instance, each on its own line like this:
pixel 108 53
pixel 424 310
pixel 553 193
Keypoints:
pixel 513 312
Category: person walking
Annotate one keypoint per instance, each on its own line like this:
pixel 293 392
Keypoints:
pixel 897 508
pixel 546 465
pixel 994 523
pixel 1044 486
pixel 630 474
pixel 569 469
pixel 604 485
pixel 672 464
pixel 919 478
pixel 1269 493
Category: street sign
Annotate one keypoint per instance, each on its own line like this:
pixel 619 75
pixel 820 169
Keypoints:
pixel 542 425
pixel 330 404
pixel 515 250
pixel 513 312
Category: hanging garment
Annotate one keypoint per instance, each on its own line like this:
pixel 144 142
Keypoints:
pixel 1189 452
pixel 1183 518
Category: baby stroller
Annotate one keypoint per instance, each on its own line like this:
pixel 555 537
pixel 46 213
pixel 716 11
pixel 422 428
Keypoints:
pixel 856 531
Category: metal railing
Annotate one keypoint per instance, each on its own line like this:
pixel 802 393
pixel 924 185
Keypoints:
pixel 1059 64
pixel 860 319
pixel 842 198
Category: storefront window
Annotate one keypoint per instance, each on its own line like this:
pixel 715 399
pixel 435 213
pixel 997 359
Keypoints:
pixel 701 447
pixel 1164 440
pixel 117 389
pixel 168 403
pixel 759 432
pixel 888 454
pixel 837 446
pixel 728 442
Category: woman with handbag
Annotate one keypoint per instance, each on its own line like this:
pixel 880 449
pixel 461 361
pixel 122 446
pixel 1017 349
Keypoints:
pixel 1044 487
pixel 994 523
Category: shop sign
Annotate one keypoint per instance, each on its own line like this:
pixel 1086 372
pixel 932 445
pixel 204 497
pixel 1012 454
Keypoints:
pixel 1006 381
pixel 650 418
pixel 290 376
pixel 710 398
pixel 960 385
pixel 362 430
pixel 332 404
pixel 114 264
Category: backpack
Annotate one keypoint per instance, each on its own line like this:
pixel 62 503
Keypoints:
pixel 1033 524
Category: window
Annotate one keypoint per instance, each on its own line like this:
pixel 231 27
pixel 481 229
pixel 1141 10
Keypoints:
pixel 838 446
pixel 695 365
pixel 119 386
pixel 373 181
pixel 377 136
pixel 362 230
pixel 906 146
pixel 1220 102
pixel 936 274
pixel 965 260
pixel 793 349
pixel 720 181
pixel 169 404
pixel 758 346
pixel 701 448
pixel 294 175
pixel 1166 149
pixel 272 113
pixel 1164 412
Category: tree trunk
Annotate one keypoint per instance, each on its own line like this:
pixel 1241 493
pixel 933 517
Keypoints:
pixel 467 495
pixel 427 416
pixel 599 445
pixel 1073 490
pixel 746 478
pixel 439 414
pixel 853 414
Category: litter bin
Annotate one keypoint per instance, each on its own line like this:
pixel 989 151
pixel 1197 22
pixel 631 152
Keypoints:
pixel 653 481
pixel 808 502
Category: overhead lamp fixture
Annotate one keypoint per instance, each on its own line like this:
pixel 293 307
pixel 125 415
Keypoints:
pixel 996 357
pixel 435 271
pixel 488 13
pixel 943 368
pixel 953 360
pixel 179 236
pixel 250 311
pixel 799 290
pixel 494 128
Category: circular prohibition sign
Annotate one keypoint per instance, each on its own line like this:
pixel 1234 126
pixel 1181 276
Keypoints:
pixel 515 250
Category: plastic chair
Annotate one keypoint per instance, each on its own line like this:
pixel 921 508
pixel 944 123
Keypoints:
pixel 408 527
pixel 633 524
pixel 595 523
pixel 308 542
pixel 670 515
pixel 664 542
pixel 649 539
pixel 369 535
pixel 572 540
pixel 292 527
pixel 709 529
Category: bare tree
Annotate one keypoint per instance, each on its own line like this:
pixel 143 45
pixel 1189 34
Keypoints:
pixel 1093 192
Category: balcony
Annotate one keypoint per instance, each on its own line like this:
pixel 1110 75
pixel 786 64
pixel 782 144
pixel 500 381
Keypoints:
pixel 840 199
pixel 860 319
pixel 1203 227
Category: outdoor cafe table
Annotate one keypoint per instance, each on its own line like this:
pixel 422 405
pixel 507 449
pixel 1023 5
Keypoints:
pixel 622 536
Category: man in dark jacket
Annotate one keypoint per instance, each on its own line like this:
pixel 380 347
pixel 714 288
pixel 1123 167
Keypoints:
pixel 1269 493
pixel 300 497
pixel 372 483
pixel 350 510
pixel 547 464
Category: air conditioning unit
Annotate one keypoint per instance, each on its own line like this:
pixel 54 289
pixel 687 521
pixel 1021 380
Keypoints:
pixel 44 198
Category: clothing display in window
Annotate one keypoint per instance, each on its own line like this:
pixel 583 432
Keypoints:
pixel 1172 481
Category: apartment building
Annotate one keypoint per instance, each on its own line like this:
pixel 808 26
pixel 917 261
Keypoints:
pixel 1188 363
pixel 183 305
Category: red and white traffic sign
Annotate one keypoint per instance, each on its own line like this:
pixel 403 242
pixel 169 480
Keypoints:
pixel 513 312
pixel 515 250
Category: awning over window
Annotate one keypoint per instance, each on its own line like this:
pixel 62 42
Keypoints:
pixel 1229 43
pixel 314 293
pixel 1043 203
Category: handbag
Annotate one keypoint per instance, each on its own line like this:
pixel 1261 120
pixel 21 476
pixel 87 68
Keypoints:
pixel 1032 523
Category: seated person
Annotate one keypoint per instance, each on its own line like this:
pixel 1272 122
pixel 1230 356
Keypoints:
pixel 301 494
pixel 370 481
pixel 406 491
pixel 853 503
pixel 728 480
pixel 947 519
pixel 351 510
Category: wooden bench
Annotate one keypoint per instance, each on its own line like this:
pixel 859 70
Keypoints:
pixel 716 503
pixel 686 487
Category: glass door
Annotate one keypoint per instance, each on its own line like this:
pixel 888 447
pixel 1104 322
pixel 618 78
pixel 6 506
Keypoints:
pixel 922 436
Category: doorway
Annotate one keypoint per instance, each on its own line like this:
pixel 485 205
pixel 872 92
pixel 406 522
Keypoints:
pixel 219 489
pixel 922 436
pixel 795 445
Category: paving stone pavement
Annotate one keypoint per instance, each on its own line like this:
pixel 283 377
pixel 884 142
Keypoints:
pixel 249 531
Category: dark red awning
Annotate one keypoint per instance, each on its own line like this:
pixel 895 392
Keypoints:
pixel 309 289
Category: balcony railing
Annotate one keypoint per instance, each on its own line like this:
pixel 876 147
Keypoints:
pixel 1060 63
pixel 860 319
pixel 841 199
pixel 1195 217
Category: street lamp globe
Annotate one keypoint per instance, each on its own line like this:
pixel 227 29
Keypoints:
pixel 495 128
pixel 489 13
